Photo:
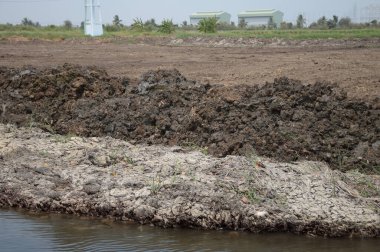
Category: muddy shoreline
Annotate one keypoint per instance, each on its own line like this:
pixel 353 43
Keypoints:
pixel 173 186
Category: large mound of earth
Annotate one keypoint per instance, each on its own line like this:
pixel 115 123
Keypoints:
pixel 286 119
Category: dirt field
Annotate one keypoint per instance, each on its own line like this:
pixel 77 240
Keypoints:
pixel 283 118
pixel 354 65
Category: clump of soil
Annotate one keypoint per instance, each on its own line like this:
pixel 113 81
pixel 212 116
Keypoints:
pixel 286 119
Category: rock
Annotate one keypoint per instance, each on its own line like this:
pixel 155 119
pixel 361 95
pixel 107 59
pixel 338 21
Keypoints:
pixel 245 200
pixel 144 212
pixel 261 214
pixel 144 87
pixel 99 159
pixel 91 189
pixel 117 192
pixel 144 192
pixel 196 211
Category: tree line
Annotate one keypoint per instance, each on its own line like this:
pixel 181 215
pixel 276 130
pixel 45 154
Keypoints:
pixel 331 23
pixel 212 24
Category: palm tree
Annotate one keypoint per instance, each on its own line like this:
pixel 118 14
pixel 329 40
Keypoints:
pixel 117 21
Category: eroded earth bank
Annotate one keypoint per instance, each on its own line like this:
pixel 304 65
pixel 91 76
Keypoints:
pixel 85 171
pixel 171 186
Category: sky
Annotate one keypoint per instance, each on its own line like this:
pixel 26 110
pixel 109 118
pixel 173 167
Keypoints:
pixel 56 11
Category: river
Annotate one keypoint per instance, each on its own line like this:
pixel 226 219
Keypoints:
pixel 25 231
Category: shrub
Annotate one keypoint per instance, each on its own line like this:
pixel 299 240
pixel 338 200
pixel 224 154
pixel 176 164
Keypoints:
pixel 313 25
pixel 67 24
pixel 322 22
pixel 7 26
pixel 345 22
pixel 151 22
pixel 208 25
pixel 242 23
pixel 167 26
pixel 27 22
pixel 138 25
pixel 112 28
pixel 285 25
pixel 150 25
pixel 332 23
pixel 225 26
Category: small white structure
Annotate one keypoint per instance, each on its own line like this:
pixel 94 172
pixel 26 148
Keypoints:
pixel 221 16
pixel 261 17
pixel 93 20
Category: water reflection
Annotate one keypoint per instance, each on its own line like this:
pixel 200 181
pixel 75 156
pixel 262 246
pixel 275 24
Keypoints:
pixel 23 231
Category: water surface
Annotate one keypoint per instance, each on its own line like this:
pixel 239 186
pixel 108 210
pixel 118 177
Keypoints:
pixel 25 231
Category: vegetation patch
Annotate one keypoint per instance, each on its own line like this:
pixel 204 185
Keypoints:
pixel 208 25
pixel 167 27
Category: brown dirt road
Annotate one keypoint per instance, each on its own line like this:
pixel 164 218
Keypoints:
pixel 354 67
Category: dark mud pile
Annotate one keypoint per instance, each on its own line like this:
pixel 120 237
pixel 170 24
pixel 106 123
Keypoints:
pixel 284 119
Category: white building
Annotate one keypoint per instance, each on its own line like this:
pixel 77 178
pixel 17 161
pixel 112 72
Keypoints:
pixel 261 17
pixel 221 16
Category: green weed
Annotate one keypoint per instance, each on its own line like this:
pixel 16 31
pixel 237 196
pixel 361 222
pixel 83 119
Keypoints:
pixel 208 25
pixel 129 160
pixel 251 195
pixel 167 26
pixel 155 185
pixel 43 153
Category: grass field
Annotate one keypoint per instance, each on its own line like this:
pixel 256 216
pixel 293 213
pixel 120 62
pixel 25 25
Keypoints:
pixel 60 33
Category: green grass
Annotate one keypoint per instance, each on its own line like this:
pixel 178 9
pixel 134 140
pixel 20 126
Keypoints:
pixel 42 33
pixel 295 34
pixel 155 185
pixel 60 33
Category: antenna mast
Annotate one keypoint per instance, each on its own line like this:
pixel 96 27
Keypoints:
pixel 93 21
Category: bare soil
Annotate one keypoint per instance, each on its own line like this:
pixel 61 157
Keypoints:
pixel 353 64
pixel 285 119
pixel 171 187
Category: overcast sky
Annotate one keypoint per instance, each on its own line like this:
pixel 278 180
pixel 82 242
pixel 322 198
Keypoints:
pixel 56 11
